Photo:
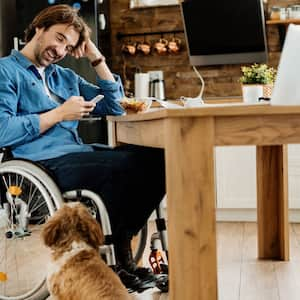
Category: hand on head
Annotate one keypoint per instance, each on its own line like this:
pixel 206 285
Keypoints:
pixel 86 49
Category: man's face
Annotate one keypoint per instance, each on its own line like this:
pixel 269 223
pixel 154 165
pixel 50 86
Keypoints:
pixel 53 44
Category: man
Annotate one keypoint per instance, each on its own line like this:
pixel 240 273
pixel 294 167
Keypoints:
pixel 40 105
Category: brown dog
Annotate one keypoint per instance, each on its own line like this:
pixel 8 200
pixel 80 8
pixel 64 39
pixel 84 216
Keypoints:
pixel 76 270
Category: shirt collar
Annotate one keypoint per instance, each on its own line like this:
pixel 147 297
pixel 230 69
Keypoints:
pixel 26 63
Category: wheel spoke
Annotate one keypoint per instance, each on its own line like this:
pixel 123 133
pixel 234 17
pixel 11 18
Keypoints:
pixel 31 194
pixel 5 183
pixel 22 255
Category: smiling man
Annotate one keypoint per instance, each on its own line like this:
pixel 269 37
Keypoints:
pixel 40 105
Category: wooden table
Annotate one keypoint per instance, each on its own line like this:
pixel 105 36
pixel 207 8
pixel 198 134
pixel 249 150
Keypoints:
pixel 189 137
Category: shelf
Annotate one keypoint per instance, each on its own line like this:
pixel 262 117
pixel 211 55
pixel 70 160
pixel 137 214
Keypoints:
pixel 283 22
pixel 282 26
pixel 121 35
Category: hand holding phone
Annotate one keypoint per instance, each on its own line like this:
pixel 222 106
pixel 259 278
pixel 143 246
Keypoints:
pixel 97 99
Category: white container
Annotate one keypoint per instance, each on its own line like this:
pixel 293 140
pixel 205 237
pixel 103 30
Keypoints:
pixel 283 13
pixel 295 12
pixel 289 13
pixel 252 92
pixel 141 85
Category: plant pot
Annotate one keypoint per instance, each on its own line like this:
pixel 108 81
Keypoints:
pixel 267 90
pixel 252 92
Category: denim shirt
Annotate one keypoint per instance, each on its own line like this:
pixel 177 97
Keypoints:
pixel 23 98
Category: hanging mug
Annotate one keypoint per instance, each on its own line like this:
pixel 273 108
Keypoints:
pixel 160 46
pixel 174 45
pixel 129 48
pixel 144 47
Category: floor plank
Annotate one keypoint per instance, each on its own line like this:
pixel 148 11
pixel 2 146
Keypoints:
pixel 240 275
pixel 258 281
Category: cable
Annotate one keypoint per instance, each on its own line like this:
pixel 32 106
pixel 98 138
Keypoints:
pixel 197 101
pixel 202 82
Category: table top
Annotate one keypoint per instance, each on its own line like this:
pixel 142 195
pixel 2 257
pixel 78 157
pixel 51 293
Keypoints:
pixel 224 109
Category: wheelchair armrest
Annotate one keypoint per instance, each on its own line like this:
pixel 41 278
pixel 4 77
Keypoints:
pixel 6 153
pixel 98 146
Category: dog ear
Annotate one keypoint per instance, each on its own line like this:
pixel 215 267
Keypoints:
pixel 89 228
pixel 55 230
pixel 51 232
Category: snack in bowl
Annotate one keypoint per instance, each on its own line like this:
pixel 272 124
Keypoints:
pixel 132 105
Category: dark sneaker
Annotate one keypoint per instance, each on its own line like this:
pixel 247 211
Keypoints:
pixel 144 274
pixel 131 282
pixel 162 282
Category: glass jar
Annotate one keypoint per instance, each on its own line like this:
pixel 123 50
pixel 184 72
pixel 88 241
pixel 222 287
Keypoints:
pixel 283 13
pixel 295 12
pixel 275 13
pixel 289 12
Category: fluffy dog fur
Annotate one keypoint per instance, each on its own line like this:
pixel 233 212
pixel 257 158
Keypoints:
pixel 76 270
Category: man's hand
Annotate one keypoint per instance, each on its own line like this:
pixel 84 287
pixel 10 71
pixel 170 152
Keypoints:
pixel 75 108
pixel 87 49
pixel 72 109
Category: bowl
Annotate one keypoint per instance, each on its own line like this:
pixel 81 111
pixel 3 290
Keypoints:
pixel 133 105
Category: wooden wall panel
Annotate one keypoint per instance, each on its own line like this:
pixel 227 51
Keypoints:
pixel 180 78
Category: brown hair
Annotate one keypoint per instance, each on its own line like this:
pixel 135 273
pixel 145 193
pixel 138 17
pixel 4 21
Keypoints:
pixel 58 14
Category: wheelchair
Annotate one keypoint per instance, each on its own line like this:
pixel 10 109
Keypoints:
pixel 28 197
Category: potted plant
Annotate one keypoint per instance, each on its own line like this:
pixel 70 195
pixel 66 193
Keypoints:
pixel 257 81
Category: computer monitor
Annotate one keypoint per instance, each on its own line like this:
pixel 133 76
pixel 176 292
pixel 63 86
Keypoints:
pixel 287 88
pixel 224 32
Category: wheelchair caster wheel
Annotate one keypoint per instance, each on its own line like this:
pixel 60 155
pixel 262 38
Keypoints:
pixel 9 234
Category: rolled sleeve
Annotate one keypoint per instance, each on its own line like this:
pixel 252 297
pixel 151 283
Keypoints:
pixel 15 131
pixel 32 125
pixel 113 92
pixel 111 86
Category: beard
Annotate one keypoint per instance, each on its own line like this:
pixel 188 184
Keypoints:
pixel 45 57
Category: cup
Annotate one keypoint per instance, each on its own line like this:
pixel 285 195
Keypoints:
pixel 174 45
pixel 160 46
pixel 144 48
pixel 129 48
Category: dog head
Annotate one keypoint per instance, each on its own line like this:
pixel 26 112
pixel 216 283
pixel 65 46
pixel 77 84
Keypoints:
pixel 72 223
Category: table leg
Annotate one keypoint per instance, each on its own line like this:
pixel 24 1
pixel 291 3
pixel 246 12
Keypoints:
pixel 272 202
pixel 191 208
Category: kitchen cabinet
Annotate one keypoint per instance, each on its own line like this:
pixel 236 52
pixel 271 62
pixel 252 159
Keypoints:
pixel 236 183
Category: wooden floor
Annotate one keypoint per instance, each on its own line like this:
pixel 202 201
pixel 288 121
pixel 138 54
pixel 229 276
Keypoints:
pixel 243 277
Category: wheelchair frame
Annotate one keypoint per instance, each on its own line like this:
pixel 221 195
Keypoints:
pixel 55 199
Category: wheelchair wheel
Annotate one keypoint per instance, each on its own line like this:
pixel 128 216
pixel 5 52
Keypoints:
pixel 26 205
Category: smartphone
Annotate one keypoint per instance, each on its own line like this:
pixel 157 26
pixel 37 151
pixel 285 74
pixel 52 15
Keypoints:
pixel 97 99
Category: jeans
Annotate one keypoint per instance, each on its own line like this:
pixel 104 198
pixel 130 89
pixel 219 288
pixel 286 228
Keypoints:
pixel 129 179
